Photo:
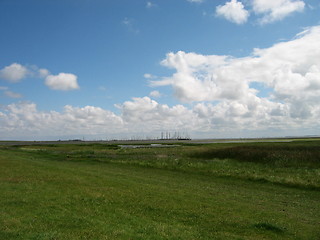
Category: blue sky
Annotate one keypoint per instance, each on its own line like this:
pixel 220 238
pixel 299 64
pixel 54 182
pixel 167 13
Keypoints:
pixel 103 69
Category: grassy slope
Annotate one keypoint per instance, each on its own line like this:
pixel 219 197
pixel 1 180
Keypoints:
pixel 66 196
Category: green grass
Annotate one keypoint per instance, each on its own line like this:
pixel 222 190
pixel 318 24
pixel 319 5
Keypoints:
pixel 211 191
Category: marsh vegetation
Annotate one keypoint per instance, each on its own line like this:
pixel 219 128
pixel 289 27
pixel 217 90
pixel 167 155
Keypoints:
pixel 189 191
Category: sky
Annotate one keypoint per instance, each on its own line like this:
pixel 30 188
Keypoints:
pixel 115 69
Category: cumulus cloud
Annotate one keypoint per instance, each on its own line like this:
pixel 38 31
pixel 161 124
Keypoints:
pixel 147 115
pixel 143 115
pixel 233 11
pixel 43 73
pixel 192 81
pixel 149 76
pixel 9 93
pixel 221 90
pixel 12 94
pixel 155 94
pixel 62 81
pixel 14 73
pixel 23 120
pixel 289 68
pixel 139 115
pixel 276 10
pixel 268 11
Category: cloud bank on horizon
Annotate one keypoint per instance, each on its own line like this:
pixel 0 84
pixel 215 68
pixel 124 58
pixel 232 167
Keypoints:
pixel 273 91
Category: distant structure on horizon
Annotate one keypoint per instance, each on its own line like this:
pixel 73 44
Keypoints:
pixel 174 136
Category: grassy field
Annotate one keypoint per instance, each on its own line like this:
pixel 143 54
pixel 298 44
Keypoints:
pixel 191 191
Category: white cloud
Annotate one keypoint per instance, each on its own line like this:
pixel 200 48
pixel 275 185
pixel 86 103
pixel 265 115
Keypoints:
pixel 155 94
pixel 14 73
pixel 62 81
pixel 149 76
pixel 224 101
pixel 291 70
pixel 9 93
pixel 43 73
pixel 192 81
pixel 288 67
pixel 145 114
pixel 233 11
pixel 12 94
pixel 141 115
pixel 130 25
pixel 275 10
pixel 24 120
pixel 150 5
